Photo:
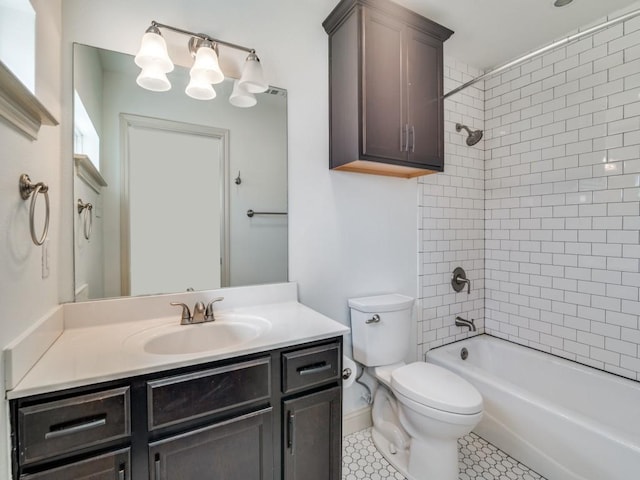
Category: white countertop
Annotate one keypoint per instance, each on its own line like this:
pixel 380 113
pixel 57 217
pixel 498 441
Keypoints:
pixel 100 352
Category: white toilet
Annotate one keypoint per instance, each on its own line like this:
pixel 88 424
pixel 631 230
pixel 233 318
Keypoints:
pixel 420 409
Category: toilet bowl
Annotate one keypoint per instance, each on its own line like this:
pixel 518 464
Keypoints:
pixel 436 407
pixel 419 410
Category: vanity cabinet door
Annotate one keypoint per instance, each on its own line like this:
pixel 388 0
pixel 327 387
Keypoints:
pixel 112 466
pixel 239 449
pixel 313 436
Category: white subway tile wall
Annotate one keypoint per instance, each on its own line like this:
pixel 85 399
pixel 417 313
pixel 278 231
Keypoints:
pixel 562 221
pixel 452 214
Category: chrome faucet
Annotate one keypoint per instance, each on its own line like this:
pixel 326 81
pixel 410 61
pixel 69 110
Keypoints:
pixel 200 313
pixel 462 322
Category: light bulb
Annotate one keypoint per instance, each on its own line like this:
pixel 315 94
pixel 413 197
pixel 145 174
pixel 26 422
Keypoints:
pixel 206 64
pixel 153 52
pixel 240 97
pixel 153 79
pixel 252 79
pixel 200 88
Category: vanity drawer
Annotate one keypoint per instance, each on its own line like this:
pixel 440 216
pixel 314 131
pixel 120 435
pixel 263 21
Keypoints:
pixel 62 426
pixel 310 366
pixel 111 466
pixel 187 397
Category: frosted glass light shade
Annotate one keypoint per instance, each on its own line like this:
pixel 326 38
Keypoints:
pixel 206 65
pixel 153 79
pixel 252 79
pixel 240 97
pixel 153 53
pixel 200 88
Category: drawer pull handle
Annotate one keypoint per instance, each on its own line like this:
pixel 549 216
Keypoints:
pixel 75 428
pixel 157 467
pixel 291 429
pixel 315 368
pixel 122 473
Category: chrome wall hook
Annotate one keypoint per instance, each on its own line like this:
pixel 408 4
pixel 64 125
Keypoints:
pixel 29 189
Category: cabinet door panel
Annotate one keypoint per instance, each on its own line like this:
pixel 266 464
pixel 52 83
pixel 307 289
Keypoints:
pixel 425 115
pixel 240 449
pixel 313 437
pixel 383 89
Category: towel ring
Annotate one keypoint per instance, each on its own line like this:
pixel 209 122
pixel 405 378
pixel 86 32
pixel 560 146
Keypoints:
pixel 28 189
pixel 88 212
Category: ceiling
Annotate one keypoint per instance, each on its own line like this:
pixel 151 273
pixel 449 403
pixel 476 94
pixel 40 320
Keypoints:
pixel 489 33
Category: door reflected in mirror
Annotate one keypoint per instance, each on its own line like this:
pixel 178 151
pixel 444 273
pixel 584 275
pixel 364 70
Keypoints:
pixel 171 180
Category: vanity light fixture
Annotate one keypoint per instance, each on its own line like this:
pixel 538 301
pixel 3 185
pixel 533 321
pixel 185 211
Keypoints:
pixel 205 72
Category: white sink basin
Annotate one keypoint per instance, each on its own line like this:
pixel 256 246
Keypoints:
pixel 224 333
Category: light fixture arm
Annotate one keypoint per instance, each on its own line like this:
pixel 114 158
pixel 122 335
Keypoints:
pixel 202 36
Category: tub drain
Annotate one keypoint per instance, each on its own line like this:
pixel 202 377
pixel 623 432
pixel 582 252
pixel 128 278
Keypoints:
pixel 464 353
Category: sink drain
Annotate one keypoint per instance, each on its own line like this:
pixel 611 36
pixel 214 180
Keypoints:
pixel 464 353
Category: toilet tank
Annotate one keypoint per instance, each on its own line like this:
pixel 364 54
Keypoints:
pixel 382 342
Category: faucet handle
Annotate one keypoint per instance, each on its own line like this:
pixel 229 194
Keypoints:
pixel 209 316
pixel 459 279
pixel 186 313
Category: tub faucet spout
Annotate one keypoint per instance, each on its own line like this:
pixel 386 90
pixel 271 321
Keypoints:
pixel 463 322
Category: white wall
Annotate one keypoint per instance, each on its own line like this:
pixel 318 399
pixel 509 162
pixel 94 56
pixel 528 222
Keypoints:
pixel 563 203
pixel 24 295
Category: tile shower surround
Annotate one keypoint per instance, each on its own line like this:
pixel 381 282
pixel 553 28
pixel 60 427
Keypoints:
pixel 559 194
pixel 452 212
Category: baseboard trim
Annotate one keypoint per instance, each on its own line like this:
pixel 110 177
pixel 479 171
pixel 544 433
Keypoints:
pixel 356 420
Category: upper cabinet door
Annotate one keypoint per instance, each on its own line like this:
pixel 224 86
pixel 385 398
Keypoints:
pixel 425 101
pixel 383 89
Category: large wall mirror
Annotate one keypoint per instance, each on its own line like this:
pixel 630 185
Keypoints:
pixel 164 184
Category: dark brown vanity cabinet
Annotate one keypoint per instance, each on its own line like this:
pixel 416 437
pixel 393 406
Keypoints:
pixel 215 420
pixel 386 89
pixel 313 426
pixel 312 413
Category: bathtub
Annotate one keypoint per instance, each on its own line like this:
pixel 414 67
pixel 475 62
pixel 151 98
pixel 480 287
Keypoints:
pixel 562 419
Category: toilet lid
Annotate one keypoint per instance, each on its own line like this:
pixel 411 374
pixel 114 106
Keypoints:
pixel 436 387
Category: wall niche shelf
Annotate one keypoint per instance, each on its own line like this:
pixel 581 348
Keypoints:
pixel 20 108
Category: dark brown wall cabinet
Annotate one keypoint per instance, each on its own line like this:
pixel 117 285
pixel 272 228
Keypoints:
pixel 386 89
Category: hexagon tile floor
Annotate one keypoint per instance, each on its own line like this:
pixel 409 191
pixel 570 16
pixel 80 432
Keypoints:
pixel 477 459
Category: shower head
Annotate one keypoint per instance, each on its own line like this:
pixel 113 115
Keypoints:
pixel 473 138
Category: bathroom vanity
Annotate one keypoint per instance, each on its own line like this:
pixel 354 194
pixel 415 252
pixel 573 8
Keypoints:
pixel 267 409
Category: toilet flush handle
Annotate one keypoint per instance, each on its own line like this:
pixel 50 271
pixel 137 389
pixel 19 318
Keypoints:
pixel 374 319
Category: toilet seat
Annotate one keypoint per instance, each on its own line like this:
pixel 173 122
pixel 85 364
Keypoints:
pixel 383 372
pixel 437 388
